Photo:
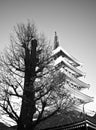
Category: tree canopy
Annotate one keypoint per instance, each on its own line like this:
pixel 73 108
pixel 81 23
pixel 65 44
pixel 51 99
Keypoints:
pixel 31 87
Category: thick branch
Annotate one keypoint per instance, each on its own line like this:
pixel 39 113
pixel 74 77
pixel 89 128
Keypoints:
pixel 50 115
pixel 41 113
pixel 9 113
pixel 12 109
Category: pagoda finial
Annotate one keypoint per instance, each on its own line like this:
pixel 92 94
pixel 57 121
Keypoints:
pixel 56 42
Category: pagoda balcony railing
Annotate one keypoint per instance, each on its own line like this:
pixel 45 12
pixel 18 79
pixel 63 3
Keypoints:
pixel 76 93
pixel 75 80
pixel 63 61
pixel 66 54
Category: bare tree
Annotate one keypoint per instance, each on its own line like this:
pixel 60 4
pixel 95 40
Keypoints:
pixel 31 87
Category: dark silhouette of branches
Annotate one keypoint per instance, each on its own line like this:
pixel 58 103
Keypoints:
pixel 31 88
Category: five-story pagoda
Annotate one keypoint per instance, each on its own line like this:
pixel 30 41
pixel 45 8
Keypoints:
pixel 69 66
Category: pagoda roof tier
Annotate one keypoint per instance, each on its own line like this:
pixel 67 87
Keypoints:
pixel 80 108
pixel 74 85
pixel 77 81
pixel 62 60
pixel 77 94
pixel 59 49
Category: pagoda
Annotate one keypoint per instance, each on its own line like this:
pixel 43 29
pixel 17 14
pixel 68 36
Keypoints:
pixel 69 66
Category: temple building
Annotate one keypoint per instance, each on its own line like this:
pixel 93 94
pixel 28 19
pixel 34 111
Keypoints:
pixel 69 66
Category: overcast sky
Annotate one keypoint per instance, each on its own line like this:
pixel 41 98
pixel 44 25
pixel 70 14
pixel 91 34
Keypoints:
pixel 73 20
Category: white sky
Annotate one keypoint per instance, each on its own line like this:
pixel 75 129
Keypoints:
pixel 73 20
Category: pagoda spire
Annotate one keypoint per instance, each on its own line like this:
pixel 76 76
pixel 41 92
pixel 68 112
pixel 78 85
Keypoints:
pixel 56 42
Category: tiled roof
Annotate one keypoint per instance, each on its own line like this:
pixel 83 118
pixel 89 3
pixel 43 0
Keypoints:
pixel 63 119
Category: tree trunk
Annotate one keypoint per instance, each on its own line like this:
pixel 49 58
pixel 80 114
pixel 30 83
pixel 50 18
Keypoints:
pixel 28 127
pixel 28 103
